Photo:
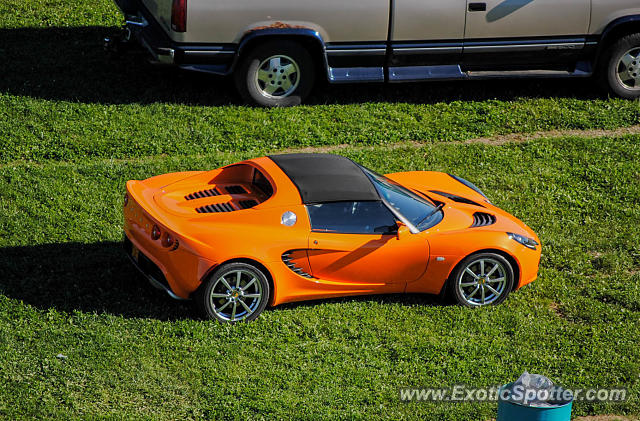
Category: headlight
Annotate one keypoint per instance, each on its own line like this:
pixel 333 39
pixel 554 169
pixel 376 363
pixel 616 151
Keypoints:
pixel 525 241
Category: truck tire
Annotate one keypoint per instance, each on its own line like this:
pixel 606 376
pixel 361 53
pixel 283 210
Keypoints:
pixel 275 74
pixel 620 67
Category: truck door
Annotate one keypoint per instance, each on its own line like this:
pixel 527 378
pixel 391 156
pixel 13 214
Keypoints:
pixel 427 32
pixel 526 33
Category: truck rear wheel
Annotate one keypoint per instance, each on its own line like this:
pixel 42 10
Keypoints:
pixel 620 69
pixel 276 74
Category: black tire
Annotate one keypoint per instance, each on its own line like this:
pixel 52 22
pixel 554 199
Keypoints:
pixel 253 91
pixel 252 279
pixel 460 276
pixel 610 64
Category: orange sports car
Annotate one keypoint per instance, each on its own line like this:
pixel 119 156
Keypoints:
pixel 296 227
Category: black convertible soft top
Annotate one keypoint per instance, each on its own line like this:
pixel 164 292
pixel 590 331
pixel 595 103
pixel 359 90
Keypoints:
pixel 326 178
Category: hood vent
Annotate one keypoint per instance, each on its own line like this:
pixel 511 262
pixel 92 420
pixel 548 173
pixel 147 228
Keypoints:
pixel 456 198
pixel 481 219
pixel 216 207
pixel 247 204
pixel 202 193
pixel 235 190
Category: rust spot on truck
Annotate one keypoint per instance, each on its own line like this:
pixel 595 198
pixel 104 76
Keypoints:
pixel 277 25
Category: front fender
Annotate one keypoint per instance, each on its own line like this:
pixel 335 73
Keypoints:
pixel 425 181
pixel 616 22
pixel 449 249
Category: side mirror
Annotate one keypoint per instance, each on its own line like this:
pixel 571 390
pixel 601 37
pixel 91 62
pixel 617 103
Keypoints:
pixel 402 229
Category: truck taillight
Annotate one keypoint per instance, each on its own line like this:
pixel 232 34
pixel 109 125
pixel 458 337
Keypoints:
pixel 179 16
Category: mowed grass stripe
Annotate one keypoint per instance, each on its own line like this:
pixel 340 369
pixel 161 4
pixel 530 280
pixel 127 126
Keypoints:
pixel 132 352
pixel 38 130
pixel 631 132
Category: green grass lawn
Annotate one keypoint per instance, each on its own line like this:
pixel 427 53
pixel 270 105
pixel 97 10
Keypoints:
pixel 75 125
pixel 63 98
pixel 131 351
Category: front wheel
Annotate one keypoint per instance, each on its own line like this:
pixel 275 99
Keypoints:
pixel 276 74
pixel 620 68
pixel 482 279
pixel 234 292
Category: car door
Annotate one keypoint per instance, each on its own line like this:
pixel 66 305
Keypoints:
pixel 520 32
pixel 427 32
pixel 359 243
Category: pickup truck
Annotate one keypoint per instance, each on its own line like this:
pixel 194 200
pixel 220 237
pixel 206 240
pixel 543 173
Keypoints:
pixel 276 50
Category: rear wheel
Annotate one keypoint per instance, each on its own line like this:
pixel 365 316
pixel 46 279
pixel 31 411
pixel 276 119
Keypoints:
pixel 482 279
pixel 234 292
pixel 620 68
pixel 276 74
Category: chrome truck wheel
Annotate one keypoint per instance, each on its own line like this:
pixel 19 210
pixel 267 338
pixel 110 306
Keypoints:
pixel 628 69
pixel 275 74
pixel 619 68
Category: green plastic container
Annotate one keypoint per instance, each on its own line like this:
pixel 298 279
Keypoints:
pixel 513 411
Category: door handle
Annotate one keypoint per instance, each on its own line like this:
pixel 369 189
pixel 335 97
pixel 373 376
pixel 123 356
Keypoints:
pixel 477 7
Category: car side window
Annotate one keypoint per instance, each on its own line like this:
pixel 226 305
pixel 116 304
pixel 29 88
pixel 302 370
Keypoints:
pixel 352 218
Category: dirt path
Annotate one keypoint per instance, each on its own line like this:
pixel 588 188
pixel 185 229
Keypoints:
pixel 494 140
pixel 523 137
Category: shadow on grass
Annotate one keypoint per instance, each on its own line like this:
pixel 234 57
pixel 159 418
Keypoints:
pixel 400 299
pixel 99 278
pixel 69 64
pixel 85 277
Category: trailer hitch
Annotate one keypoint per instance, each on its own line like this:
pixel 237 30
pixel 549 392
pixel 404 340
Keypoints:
pixel 119 42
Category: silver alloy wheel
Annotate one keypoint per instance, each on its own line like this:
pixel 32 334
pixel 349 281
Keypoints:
pixel 236 295
pixel 628 69
pixel 482 282
pixel 277 77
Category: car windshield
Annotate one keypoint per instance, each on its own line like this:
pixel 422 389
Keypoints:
pixel 419 211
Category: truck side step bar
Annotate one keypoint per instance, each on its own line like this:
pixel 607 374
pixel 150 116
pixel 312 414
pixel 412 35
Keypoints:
pixel 580 71
pixel 418 73
pixel 356 74
pixel 445 72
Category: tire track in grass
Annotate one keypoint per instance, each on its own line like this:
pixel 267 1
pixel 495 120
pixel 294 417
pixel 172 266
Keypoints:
pixel 497 140
pixel 493 140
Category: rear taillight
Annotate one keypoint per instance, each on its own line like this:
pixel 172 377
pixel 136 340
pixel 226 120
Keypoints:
pixel 179 16
pixel 167 240
pixel 155 232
